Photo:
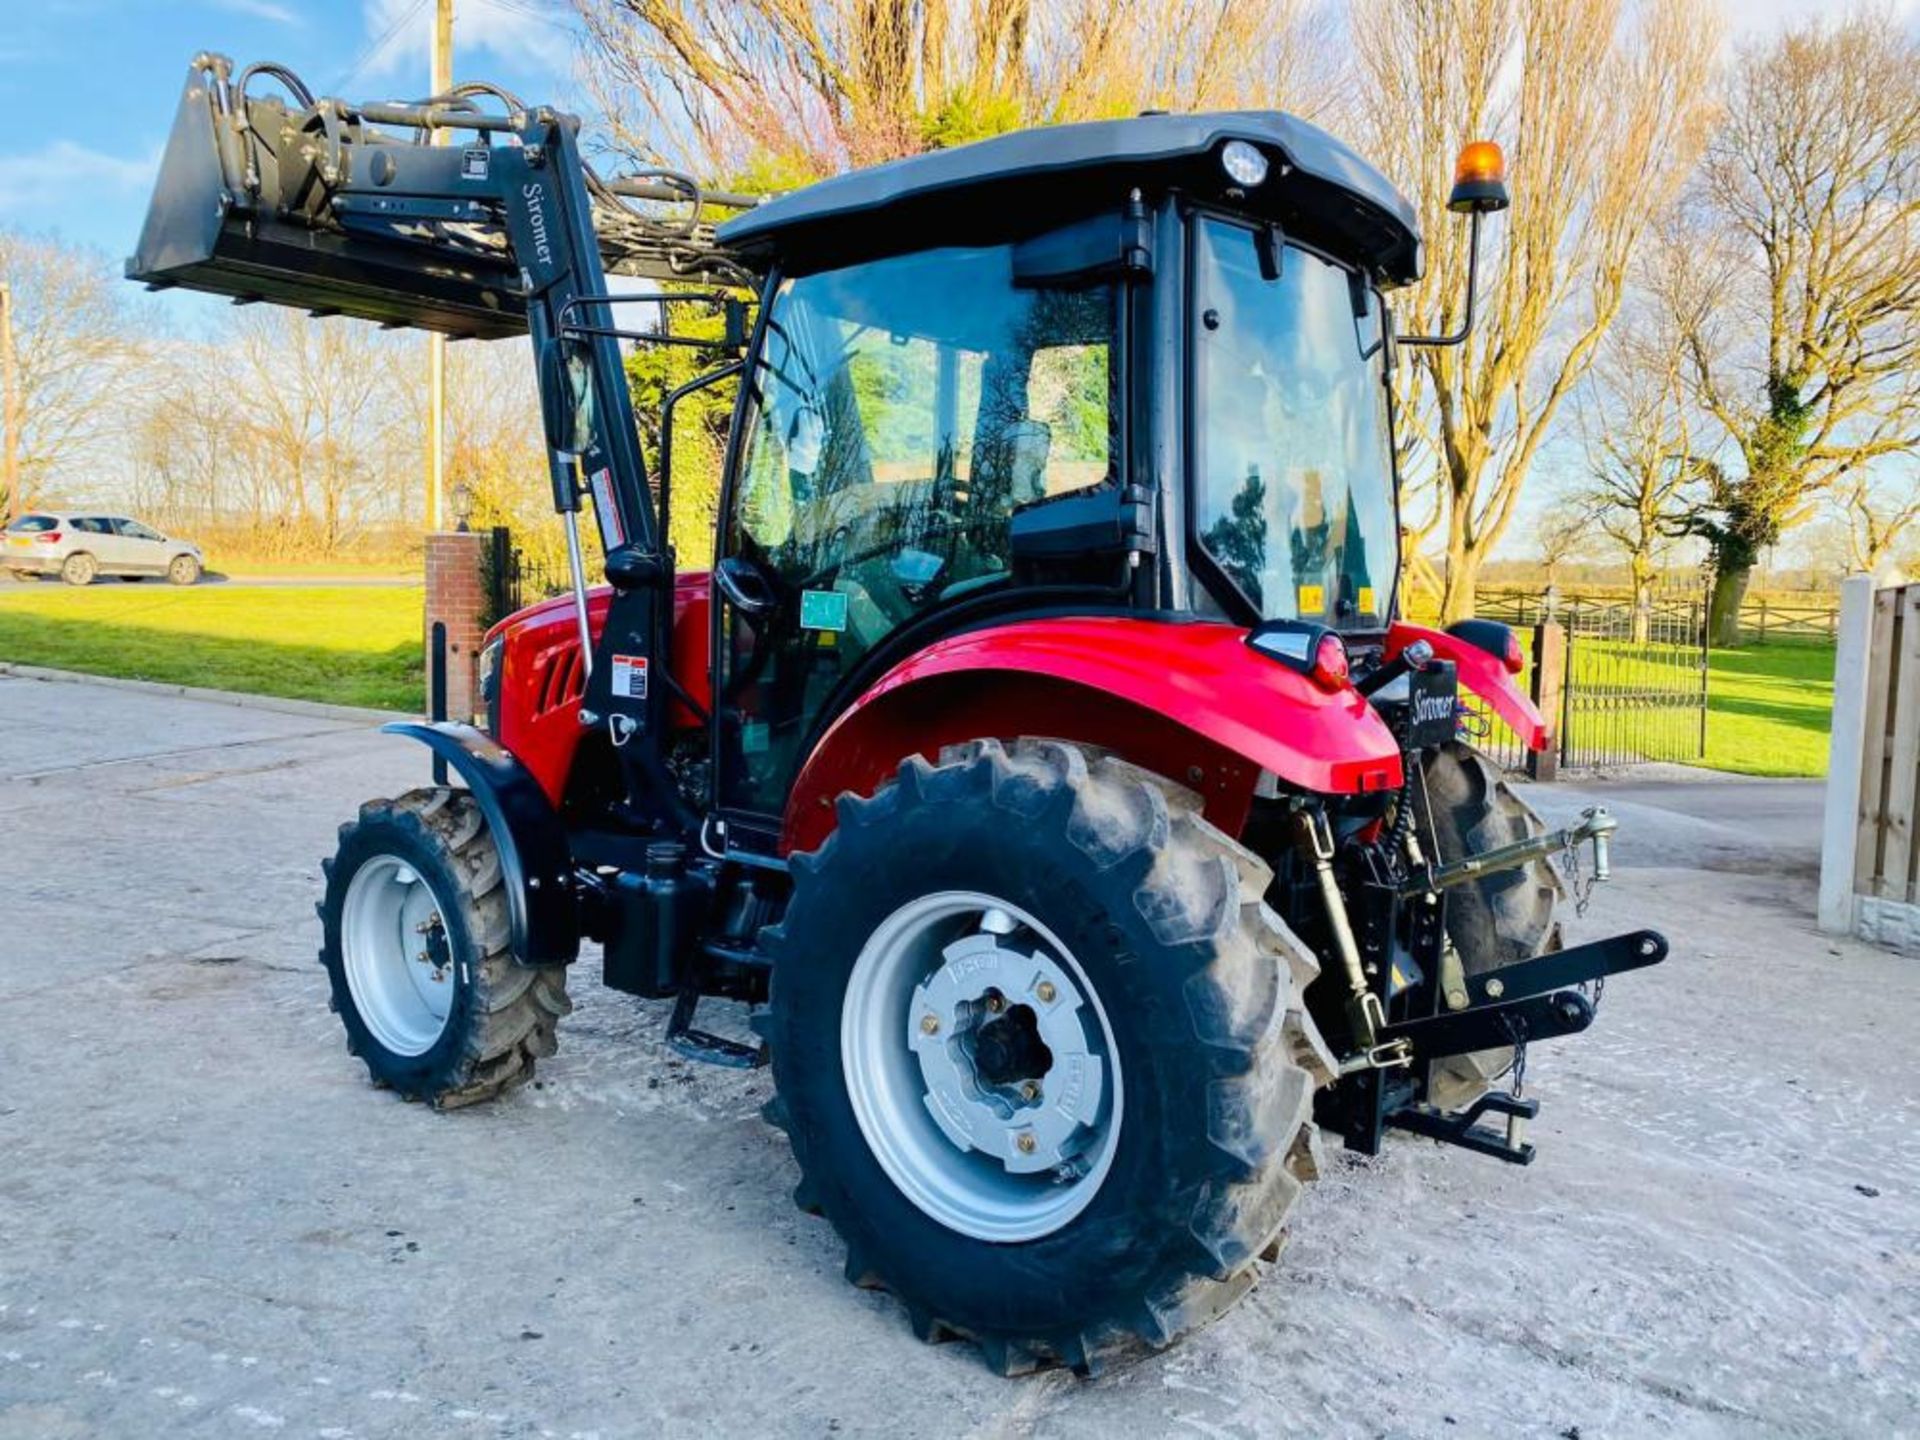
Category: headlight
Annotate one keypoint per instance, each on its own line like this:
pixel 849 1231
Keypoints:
pixel 490 669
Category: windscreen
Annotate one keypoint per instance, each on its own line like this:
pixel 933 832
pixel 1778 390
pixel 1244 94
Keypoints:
pixel 1294 476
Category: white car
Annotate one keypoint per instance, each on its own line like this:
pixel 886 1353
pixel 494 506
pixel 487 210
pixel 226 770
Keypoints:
pixel 78 547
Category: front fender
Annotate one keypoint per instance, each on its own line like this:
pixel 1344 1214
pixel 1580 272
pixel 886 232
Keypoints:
pixel 1189 700
pixel 1480 673
pixel 536 863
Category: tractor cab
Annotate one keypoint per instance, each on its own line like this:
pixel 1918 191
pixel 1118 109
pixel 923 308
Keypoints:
pixel 1131 366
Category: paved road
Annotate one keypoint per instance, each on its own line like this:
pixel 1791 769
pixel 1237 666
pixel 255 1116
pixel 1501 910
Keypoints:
pixel 211 1226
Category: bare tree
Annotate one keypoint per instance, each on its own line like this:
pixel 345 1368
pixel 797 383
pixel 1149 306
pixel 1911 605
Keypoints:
pixel 183 461
pixel 1565 532
pixel 74 341
pixel 1601 107
pixel 1637 430
pixel 783 91
pixel 1879 517
pixel 1801 307
pixel 321 426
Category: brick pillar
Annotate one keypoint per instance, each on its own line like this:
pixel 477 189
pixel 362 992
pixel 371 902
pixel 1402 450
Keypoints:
pixel 457 598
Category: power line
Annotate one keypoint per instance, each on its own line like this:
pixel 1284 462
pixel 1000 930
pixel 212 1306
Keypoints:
pixel 377 45
pixel 531 12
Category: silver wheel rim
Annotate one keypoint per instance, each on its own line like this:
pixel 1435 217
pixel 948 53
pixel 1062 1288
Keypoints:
pixel 996 1151
pixel 389 948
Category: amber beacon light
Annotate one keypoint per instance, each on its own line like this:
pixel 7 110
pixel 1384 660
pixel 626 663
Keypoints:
pixel 1479 179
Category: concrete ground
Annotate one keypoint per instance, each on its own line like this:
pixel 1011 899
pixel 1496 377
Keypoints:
pixel 210 1225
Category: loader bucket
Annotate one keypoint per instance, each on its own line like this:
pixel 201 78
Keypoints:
pixel 243 208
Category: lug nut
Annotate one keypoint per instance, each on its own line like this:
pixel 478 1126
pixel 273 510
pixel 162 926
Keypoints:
pixel 1045 992
pixel 995 1004
pixel 1024 1143
pixel 929 1024
pixel 1030 1090
pixel 1496 988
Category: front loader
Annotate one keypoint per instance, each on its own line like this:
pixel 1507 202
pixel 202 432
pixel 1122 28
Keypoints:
pixel 1043 760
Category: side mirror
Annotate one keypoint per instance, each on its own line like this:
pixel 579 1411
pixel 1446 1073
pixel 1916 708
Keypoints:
pixel 566 395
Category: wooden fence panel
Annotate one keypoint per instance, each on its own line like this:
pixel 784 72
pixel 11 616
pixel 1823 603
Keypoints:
pixel 1886 856
pixel 1903 767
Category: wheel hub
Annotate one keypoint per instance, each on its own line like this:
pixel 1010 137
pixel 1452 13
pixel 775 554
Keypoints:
pixel 397 955
pixel 1008 1052
pixel 984 1047
pixel 1000 1114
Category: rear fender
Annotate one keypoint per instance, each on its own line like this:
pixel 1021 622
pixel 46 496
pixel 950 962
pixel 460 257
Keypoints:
pixel 1189 701
pixel 1481 674
pixel 536 863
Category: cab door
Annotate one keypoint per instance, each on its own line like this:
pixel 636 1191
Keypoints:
pixel 900 414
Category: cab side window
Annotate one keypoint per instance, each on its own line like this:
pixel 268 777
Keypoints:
pixel 905 411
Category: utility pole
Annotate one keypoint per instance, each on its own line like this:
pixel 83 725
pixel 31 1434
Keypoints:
pixel 10 505
pixel 442 60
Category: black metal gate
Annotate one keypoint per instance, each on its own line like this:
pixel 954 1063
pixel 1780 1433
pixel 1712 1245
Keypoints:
pixel 1633 687
pixel 514 579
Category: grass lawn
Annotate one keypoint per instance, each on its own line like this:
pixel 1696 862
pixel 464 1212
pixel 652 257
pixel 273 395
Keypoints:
pixel 349 646
pixel 1769 706
pixel 1770 709
pixel 319 572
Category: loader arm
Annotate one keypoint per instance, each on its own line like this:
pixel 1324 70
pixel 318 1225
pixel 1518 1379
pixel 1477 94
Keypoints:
pixel 344 208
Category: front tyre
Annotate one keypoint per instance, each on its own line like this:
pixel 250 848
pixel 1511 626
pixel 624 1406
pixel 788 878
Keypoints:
pixel 183 570
pixel 1040 1052
pixel 416 952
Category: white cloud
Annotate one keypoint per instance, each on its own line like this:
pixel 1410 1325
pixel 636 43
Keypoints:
pixel 261 10
pixel 521 31
pixel 36 186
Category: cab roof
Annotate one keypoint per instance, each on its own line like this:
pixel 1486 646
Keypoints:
pixel 1018 184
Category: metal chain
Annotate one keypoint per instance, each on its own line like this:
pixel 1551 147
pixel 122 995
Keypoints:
pixel 1581 886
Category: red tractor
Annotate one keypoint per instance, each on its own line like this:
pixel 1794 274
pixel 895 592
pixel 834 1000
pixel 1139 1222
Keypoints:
pixel 1043 759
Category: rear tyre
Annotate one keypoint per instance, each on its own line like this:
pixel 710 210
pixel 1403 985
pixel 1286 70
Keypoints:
pixel 183 570
pixel 416 950
pixel 1497 919
pixel 1040 1051
pixel 79 569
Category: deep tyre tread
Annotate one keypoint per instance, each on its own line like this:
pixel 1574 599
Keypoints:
pixel 505 1015
pixel 1201 982
pixel 1496 920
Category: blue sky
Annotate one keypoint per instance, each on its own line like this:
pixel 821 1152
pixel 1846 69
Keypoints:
pixel 89 86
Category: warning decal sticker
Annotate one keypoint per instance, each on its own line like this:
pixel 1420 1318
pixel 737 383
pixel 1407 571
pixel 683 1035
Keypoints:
pixel 629 679
pixel 612 532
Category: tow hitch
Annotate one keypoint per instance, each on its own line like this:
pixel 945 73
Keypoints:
pixel 1595 824
pixel 1384 1080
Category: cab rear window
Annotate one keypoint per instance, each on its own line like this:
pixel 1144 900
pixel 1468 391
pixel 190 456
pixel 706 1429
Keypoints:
pixel 33 525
